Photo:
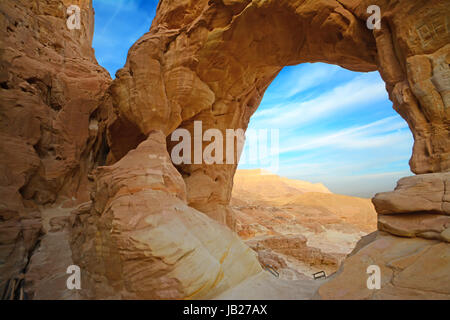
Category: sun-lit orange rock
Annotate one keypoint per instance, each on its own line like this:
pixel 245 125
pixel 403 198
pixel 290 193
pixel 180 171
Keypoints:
pixel 61 118
pixel 141 240
pixel 51 134
pixel 307 226
pixel 211 61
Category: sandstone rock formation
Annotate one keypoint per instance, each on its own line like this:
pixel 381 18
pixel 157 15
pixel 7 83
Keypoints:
pixel 209 61
pixel 50 89
pixel 414 51
pixel 296 248
pixel 412 247
pixel 409 269
pixel 418 207
pixel 142 238
pixel 426 193
pixel 46 272
pixel 212 60
pixel 206 60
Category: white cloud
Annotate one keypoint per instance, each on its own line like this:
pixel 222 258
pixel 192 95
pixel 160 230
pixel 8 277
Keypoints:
pixel 364 89
pixel 312 76
pixel 384 132
pixel 118 7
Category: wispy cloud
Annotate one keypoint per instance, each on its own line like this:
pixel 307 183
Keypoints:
pixel 377 134
pixel 308 76
pixel 119 24
pixel 364 89
pixel 118 5
pixel 345 134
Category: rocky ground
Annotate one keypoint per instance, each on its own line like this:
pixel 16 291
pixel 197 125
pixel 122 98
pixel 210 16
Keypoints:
pixel 297 227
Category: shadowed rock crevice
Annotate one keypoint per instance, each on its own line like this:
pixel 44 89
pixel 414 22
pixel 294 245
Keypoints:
pixel 51 85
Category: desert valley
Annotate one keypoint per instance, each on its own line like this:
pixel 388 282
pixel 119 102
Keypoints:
pixel 296 227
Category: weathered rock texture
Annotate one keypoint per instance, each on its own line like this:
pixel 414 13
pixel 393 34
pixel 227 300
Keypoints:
pixel 208 60
pixel 418 207
pixel 295 246
pixel 426 193
pixel 142 238
pixel 46 272
pixel 410 269
pixel 413 252
pixel 50 89
pixel 212 61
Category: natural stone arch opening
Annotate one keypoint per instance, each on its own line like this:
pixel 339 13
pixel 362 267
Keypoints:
pixel 294 220
pixel 138 238
pixel 206 61
pixel 215 60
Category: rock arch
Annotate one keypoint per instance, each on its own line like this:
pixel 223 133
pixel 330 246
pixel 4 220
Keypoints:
pixel 140 236
pixel 212 61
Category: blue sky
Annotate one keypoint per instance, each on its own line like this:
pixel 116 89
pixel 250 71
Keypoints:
pixel 335 126
pixel 118 24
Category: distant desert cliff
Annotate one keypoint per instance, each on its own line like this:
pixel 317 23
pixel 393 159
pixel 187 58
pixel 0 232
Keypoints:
pixel 297 223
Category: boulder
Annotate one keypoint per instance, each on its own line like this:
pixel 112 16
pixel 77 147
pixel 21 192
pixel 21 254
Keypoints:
pixel 430 226
pixel 409 269
pixel 211 61
pixel 417 194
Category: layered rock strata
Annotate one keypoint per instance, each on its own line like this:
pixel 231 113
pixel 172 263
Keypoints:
pixel 140 239
pixel 411 249
pixel 50 138
pixel 209 61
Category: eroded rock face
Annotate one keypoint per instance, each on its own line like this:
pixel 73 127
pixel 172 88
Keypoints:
pixel 418 207
pixel 409 269
pixel 46 272
pixel 413 48
pixel 295 247
pixel 425 193
pixel 141 240
pixel 412 248
pixel 50 88
pixel 212 61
